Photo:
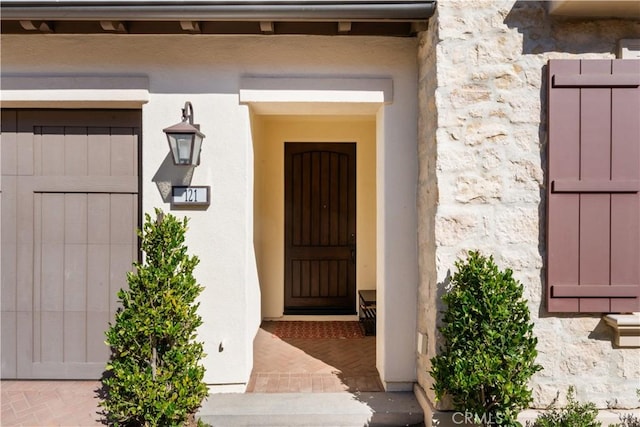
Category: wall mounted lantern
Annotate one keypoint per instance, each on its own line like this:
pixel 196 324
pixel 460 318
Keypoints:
pixel 185 139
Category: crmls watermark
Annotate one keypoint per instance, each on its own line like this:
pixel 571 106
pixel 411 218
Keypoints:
pixel 471 418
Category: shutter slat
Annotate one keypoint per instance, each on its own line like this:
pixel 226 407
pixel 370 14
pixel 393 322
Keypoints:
pixel 594 186
pixel 603 80
pixel 564 209
pixel 625 208
pixel 595 165
pixel 594 291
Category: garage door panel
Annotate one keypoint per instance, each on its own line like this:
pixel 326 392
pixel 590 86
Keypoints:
pixel 9 207
pixel 9 276
pixel 37 255
pixel 24 277
pixel 75 277
pixel 98 218
pixel 52 151
pixel 66 370
pixel 8 342
pixel 75 218
pixel 98 152
pixel 25 147
pixel 84 184
pixel 124 156
pixel 121 257
pixel 75 336
pixel 9 156
pixel 25 333
pixel 50 218
pixel 35 352
pixel 76 223
pixel 97 351
pixel 24 140
pixel 51 341
pixel 98 278
pixel 24 212
pixel 9 238
pixel 51 286
pixel 75 151
pixel 122 219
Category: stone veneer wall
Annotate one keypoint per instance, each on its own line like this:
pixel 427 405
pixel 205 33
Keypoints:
pixel 482 160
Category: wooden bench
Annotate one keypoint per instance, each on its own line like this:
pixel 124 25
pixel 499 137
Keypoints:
pixel 367 311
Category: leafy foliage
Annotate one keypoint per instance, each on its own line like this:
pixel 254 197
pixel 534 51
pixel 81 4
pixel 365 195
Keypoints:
pixel 628 420
pixel 154 377
pixel 490 350
pixel 575 414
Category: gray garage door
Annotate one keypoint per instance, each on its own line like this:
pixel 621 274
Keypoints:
pixel 70 209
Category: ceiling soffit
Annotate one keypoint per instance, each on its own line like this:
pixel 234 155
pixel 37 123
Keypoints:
pixel 355 17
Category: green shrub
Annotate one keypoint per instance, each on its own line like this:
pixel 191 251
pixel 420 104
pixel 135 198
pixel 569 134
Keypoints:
pixel 154 377
pixel 489 350
pixel 628 420
pixel 574 414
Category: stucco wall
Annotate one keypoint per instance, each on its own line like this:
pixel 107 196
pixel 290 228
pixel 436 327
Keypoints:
pixel 489 168
pixel 207 70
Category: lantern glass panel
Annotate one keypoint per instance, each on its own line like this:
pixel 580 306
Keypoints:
pixel 181 147
pixel 197 146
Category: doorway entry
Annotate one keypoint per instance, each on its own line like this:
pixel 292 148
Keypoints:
pixel 320 228
pixel 362 110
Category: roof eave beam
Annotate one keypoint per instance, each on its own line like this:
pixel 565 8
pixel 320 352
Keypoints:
pixel 190 26
pixel 113 26
pixel 299 11
pixel 30 25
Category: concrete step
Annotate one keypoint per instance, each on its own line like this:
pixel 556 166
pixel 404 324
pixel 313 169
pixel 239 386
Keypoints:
pixel 312 409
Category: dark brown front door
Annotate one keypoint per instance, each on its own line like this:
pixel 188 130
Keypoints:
pixel 320 228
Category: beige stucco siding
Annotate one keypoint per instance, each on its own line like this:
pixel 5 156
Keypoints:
pixel 208 71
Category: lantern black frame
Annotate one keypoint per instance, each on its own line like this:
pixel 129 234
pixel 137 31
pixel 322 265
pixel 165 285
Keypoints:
pixel 185 136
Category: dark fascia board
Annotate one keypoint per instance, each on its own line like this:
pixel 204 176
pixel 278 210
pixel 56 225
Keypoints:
pixel 200 10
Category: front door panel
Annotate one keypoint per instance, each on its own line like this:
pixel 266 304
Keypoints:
pixel 320 228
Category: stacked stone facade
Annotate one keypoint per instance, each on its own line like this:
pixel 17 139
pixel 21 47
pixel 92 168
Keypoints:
pixel 482 139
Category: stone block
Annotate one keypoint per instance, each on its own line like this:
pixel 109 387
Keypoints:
pixel 478 189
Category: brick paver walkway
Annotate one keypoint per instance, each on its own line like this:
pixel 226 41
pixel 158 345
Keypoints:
pixel 49 403
pixel 325 365
pixel 280 365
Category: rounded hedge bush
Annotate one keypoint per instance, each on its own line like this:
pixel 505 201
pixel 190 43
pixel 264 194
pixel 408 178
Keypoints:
pixel 154 377
pixel 489 348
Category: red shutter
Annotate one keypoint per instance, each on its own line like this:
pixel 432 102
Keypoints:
pixel 593 199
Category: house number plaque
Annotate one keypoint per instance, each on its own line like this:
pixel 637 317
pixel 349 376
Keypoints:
pixel 191 196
